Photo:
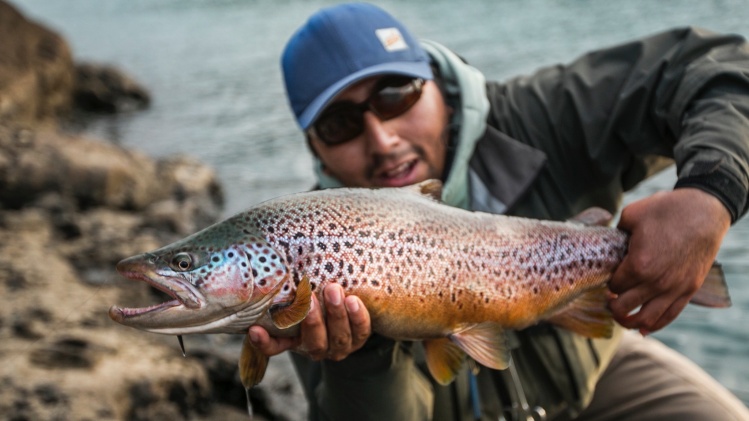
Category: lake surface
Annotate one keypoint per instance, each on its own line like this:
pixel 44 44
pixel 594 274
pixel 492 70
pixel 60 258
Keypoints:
pixel 212 67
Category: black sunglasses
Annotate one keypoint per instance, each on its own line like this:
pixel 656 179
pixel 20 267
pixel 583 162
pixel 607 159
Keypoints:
pixel 391 97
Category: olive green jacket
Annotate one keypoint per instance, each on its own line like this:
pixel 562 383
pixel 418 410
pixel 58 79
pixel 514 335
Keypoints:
pixel 548 146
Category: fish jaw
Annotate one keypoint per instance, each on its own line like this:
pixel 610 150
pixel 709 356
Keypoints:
pixel 190 311
pixel 186 298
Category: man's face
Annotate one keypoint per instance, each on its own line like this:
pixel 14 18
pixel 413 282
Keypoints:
pixel 399 151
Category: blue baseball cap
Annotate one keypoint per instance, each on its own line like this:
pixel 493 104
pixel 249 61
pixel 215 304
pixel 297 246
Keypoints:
pixel 341 45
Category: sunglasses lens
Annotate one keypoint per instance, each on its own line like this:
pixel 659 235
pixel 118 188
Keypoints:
pixel 395 97
pixel 392 97
pixel 339 125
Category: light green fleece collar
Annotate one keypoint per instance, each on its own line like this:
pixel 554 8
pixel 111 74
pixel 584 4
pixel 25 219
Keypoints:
pixel 468 84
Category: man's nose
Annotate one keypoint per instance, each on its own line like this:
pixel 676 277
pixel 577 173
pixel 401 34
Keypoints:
pixel 379 137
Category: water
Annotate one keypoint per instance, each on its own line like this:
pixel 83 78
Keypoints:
pixel 212 67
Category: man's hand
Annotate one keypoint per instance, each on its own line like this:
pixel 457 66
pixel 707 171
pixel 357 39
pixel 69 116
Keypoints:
pixel 343 329
pixel 675 237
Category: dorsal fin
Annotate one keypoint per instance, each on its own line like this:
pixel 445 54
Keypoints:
pixel 431 188
pixel 593 216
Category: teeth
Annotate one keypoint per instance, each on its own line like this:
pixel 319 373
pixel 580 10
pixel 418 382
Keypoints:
pixel 397 170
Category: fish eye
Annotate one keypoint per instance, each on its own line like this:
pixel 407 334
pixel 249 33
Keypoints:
pixel 182 262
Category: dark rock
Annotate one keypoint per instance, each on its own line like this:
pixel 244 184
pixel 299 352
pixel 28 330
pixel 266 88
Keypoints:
pixel 102 88
pixel 14 280
pixel 50 394
pixel 67 353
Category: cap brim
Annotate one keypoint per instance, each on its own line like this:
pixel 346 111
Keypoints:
pixel 415 69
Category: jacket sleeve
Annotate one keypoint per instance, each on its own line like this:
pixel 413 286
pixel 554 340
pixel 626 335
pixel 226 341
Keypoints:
pixel 682 94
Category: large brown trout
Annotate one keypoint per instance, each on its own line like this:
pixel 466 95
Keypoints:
pixel 425 271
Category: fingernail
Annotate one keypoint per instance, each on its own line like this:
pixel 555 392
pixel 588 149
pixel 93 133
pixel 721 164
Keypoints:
pixel 254 338
pixel 352 304
pixel 333 295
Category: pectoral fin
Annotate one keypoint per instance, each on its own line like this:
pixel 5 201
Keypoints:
pixel 588 315
pixel 289 315
pixel 443 359
pixel 484 342
pixel 714 291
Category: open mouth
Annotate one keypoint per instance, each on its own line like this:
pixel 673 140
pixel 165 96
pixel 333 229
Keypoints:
pixel 177 290
pixel 399 175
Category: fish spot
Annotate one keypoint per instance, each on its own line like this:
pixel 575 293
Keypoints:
pixel 262 259
pixel 329 267
pixel 215 259
pixel 254 272
pixel 375 283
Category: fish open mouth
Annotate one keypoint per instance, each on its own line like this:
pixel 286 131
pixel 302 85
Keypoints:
pixel 181 293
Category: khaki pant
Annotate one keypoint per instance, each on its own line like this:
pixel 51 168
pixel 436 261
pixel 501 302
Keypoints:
pixel 646 380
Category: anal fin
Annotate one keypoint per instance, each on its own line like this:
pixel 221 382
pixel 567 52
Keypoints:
pixel 484 342
pixel 587 315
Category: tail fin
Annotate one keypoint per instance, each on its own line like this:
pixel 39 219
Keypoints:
pixel 714 291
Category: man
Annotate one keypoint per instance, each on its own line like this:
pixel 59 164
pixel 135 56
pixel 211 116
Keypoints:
pixel 380 109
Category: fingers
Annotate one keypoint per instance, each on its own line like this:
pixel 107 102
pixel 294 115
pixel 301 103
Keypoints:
pixel 361 325
pixel 268 345
pixel 338 328
pixel 313 337
pixel 674 238
pixel 333 330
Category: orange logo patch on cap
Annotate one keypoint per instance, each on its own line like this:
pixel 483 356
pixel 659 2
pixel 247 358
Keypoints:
pixel 391 39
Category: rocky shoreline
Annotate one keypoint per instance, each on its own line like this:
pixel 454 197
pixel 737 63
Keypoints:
pixel 70 208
